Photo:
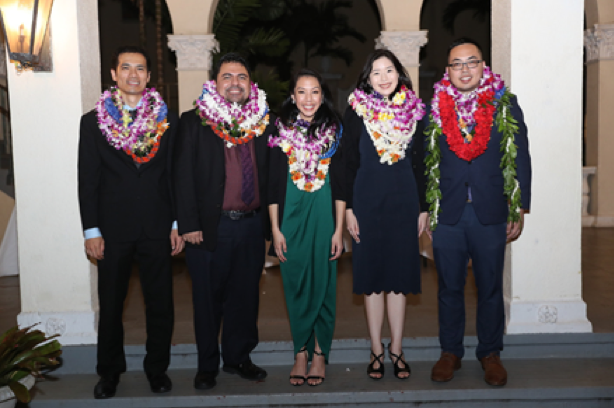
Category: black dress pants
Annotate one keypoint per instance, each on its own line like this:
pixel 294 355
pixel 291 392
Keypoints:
pixel 225 284
pixel 154 259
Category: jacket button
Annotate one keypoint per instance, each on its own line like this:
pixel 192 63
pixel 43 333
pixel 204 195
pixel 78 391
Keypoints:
pixel 470 162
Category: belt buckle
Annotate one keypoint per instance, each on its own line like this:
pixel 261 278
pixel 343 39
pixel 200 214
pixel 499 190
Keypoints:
pixel 235 215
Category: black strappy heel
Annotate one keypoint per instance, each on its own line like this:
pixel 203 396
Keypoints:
pixel 372 369
pixel 395 358
pixel 299 377
pixel 315 377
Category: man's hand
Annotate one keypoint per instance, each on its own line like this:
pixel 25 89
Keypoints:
pixel 94 247
pixel 514 229
pixel 424 224
pixel 177 243
pixel 195 237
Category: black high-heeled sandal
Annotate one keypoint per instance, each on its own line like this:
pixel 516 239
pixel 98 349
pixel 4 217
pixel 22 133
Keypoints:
pixel 299 377
pixel 371 367
pixel 315 377
pixel 395 358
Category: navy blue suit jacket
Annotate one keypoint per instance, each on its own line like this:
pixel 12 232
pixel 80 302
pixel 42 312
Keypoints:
pixel 483 175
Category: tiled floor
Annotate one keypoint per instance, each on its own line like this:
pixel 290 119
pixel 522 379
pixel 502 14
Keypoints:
pixel 421 317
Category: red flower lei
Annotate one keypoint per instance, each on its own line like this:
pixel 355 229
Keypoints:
pixel 484 116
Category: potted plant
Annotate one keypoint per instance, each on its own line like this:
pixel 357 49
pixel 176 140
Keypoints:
pixel 23 353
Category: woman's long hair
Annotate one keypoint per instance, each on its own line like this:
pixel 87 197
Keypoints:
pixel 363 78
pixel 325 115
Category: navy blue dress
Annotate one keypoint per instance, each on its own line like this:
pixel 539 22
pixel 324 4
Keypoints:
pixel 386 205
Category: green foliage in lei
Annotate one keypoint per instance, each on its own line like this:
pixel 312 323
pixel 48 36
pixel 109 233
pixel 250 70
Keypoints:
pixel 508 126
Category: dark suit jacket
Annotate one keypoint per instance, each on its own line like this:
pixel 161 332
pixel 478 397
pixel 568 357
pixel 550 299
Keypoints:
pixel 484 176
pixel 278 180
pixel 200 177
pixel 353 126
pixel 114 195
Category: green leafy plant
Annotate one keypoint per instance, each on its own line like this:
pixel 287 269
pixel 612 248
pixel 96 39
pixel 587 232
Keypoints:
pixel 25 352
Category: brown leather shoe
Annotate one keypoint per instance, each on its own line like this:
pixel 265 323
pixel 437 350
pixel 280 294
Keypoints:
pixel 494 372
pixel 444 369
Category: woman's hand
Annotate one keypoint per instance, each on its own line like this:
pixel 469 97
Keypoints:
pixel 336 245
pixel 352 224
pixel 279 242
pixel 424 225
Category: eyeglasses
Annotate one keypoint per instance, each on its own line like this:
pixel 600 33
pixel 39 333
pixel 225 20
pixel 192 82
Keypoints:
pixel 457 66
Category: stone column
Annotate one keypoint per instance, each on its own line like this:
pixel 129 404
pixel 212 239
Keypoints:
pixel 193 64
pixel 57 281
pixel 599 43
pixel 542 63
pixel 406 46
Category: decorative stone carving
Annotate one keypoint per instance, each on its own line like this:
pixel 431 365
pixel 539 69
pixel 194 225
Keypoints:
pixel 599 42
pixel 548 314
pixel 55 326
pixel 404 44
pixel 193 51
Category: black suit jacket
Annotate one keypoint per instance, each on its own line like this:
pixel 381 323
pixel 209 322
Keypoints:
pixel 200 177
pixel 124 201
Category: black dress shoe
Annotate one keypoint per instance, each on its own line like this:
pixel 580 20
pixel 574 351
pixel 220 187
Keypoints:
pixel 205 380
pixel 247 370
pixel 106 387
pixel 160 383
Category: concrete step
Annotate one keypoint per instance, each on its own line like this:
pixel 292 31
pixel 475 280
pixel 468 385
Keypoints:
pixel 551 382
pixel 82 359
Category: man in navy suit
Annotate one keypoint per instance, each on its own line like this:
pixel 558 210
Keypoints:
pixel 473 221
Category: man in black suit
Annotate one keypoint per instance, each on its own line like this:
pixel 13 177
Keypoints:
pixel 126 204
pixel 220 181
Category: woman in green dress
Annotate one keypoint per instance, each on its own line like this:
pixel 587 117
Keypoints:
pixel 307 204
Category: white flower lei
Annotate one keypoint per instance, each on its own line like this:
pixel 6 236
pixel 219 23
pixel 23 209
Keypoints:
pixel 307 168
pixel 250 118
pixel 390 124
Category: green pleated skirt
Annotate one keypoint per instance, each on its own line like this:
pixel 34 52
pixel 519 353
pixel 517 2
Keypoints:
pixel 309 278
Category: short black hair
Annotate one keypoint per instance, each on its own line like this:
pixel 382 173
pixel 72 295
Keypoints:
pixel 129 49
pixel 363 78
pixel 461 41
pixel 231 57
pixel 325 114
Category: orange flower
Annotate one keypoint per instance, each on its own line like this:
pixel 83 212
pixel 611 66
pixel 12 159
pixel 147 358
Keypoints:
pixel 376 135
pixel 321 175
pixel 291 159
pixel 308 186
pixel 296 176
pixel 325 161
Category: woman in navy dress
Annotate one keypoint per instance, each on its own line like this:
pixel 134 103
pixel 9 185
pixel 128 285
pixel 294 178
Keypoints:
pixel 386 205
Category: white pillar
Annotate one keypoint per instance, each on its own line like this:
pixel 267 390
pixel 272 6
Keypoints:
pixel 193 64
pixel 57 280
pixel 599 43
pixel 406 46
pixel 542 62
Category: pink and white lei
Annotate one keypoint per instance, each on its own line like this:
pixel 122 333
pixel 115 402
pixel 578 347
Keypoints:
pixel 466 104
pixel 216 110
pixel 117 125
pixel 307 166
pixel 390 123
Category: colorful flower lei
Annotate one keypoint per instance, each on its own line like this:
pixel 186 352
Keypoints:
pixel 234 123
pixel 139 138
pixel 453 113
pixel 308 160
pixel 390 124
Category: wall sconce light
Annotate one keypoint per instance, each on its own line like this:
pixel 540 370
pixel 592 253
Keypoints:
pixel 25 23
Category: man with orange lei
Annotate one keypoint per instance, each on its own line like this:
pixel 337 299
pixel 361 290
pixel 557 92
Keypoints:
pixel 479 189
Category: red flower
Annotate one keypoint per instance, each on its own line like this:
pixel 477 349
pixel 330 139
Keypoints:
pixel 484 116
